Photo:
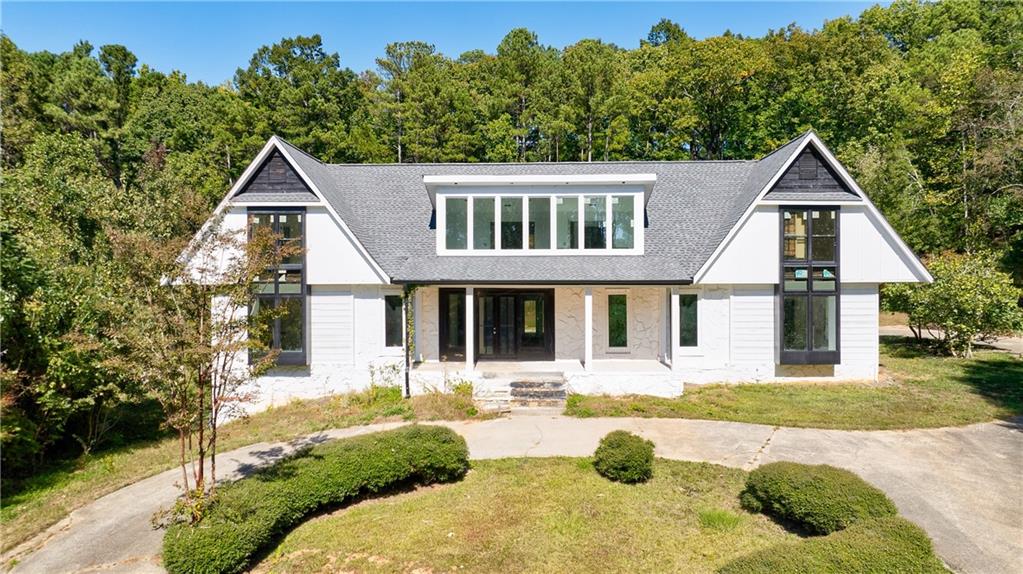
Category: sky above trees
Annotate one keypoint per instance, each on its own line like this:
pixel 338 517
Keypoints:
pixel 209 41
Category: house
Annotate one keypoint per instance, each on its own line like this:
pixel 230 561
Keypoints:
pixel 603 277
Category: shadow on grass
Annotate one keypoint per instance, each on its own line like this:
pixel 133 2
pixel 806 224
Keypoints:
pixel 907 347
pixel 998 378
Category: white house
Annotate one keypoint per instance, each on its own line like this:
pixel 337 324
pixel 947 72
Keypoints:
pixel 605 277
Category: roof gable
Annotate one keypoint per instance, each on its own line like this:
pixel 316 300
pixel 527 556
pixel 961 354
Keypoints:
pixel 275 180
pixel 810 178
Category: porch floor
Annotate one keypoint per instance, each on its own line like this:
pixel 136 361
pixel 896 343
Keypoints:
pixel 565 366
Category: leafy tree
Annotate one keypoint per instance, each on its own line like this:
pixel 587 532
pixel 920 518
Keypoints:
pixel 969 300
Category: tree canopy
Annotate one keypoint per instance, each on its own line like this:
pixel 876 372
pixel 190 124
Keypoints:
pixel 922 101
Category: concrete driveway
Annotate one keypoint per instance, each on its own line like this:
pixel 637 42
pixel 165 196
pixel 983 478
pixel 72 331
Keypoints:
pixel 964 486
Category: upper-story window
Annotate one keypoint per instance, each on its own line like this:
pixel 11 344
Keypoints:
pixel 541 224
pixel 283 287
pixel 809 286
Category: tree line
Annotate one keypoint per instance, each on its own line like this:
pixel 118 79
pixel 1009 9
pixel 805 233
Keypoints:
pixel 923 102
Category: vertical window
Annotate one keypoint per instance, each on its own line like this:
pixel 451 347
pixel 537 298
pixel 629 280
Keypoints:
pixel 809 286
pixel 617 321
pixel 483 223
pixel 539 223
pixel 623 214
pixel 568 222
pixel 595 221
pixel 511 223
pixel 278 312
pixel 688 320
pixel 392 320
pixel 457 223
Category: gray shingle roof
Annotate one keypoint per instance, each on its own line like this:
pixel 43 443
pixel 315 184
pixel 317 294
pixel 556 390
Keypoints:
pixel 693 206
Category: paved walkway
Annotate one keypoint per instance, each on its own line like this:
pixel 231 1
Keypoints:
pixel 963 485
pixel 1011 344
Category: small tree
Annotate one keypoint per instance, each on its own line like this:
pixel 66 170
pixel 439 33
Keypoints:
pixel 969 300
pixel 187 335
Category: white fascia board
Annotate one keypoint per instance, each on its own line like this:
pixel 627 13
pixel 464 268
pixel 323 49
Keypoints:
pixel 846 178
pixel 580 179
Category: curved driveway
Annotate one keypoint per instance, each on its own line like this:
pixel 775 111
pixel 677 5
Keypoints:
pixel 963 485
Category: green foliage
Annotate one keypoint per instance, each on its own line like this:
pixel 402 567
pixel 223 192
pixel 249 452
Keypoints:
pixel 889 544
pixel 718 519
pixel 624 457
pixel 247 515
pixel 821 498
pixel 969 299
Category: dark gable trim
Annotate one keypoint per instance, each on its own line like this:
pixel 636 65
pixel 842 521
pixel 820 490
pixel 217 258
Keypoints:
pixel 276 177
pixel 810 177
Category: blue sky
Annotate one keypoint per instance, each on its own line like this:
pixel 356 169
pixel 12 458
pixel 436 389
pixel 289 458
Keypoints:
pixel 208 41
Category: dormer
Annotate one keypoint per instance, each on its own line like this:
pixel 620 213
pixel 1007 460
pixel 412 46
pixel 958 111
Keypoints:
pixel 520 215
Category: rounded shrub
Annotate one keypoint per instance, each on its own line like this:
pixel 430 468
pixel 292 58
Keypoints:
pixel 821 499
pixel 249 514
pixel 889 544
pixel 624 457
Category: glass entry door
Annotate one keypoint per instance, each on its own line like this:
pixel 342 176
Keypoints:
pixel 515 325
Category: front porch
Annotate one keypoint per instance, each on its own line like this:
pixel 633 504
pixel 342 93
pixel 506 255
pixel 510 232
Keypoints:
pixel 590 339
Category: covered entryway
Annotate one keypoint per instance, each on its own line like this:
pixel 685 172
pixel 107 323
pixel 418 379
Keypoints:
pixel 515 324
pixel 509 324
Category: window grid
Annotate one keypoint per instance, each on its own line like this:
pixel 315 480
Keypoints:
pixel 809 285
pixel 285 285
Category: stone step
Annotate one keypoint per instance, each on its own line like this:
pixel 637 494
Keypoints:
pixel 516 385
pixel 525 377
pixel 557 405
pixel 539 394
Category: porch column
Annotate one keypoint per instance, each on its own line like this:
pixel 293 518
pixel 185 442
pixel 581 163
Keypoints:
pixel 470 330
pixel 588 328
pixel 673 335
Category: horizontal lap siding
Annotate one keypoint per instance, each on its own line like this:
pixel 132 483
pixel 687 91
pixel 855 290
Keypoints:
pixel 859 324
pixel 752 324
pixel 332 326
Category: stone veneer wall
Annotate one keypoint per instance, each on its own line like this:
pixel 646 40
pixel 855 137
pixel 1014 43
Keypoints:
pixel 646 316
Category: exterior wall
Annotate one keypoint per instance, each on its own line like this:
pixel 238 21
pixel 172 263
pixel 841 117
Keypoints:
pixel 569 323
pixel 868 252
pixel 646 317
pixel 332 257
pixel 751 257
pixel 739 332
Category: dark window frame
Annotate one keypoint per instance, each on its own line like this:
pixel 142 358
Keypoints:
pixel 682 324
pixel 611 347
pixel 809 356
pixel 285 357
pixel 448 351
pixel 401 321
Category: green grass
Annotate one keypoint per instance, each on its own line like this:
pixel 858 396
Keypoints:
pixel 918 390
pixel 31 505
pixel 538 515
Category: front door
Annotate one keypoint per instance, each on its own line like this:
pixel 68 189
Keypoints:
pixel 515 325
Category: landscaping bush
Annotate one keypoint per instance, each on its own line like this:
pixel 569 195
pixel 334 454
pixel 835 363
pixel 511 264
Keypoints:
pixel 890 544
pixel 624 457
pixel 822 499
pixel 249 514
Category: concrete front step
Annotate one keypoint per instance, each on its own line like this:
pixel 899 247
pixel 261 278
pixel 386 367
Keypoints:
pixel 531 385
pixel 539 394
pixel 517 405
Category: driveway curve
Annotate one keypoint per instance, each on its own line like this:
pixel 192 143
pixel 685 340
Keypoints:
pixel 963 485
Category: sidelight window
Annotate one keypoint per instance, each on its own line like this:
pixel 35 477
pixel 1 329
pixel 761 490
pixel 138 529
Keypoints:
pixel 392 320
pixel 617 321
pixel 809 286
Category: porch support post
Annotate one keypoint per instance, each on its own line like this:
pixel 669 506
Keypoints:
pixel 673 335
pixel 588 328
pixel 470 330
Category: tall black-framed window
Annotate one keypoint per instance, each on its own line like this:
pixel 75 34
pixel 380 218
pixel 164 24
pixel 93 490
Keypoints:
pixel 283 287
pixel 810 287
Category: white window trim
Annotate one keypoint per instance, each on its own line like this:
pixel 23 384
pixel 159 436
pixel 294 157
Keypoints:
pixel 627 349
pixel 676 337
pixel 637 224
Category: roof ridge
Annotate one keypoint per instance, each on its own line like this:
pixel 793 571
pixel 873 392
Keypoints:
pixel 786 144
pixel 300 150
pixel 548 163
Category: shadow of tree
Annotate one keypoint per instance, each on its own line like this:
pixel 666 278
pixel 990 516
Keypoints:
pixel 999 379
pixel 907 347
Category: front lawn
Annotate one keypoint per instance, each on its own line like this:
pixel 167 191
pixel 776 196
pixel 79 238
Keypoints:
pixel 917 390
pixel 539 515
pixel 31 505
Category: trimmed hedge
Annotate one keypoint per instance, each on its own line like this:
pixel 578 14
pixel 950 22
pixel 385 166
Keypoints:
pixel 624 457
pixel 890 544
pixel 822 499
pixel 250 513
